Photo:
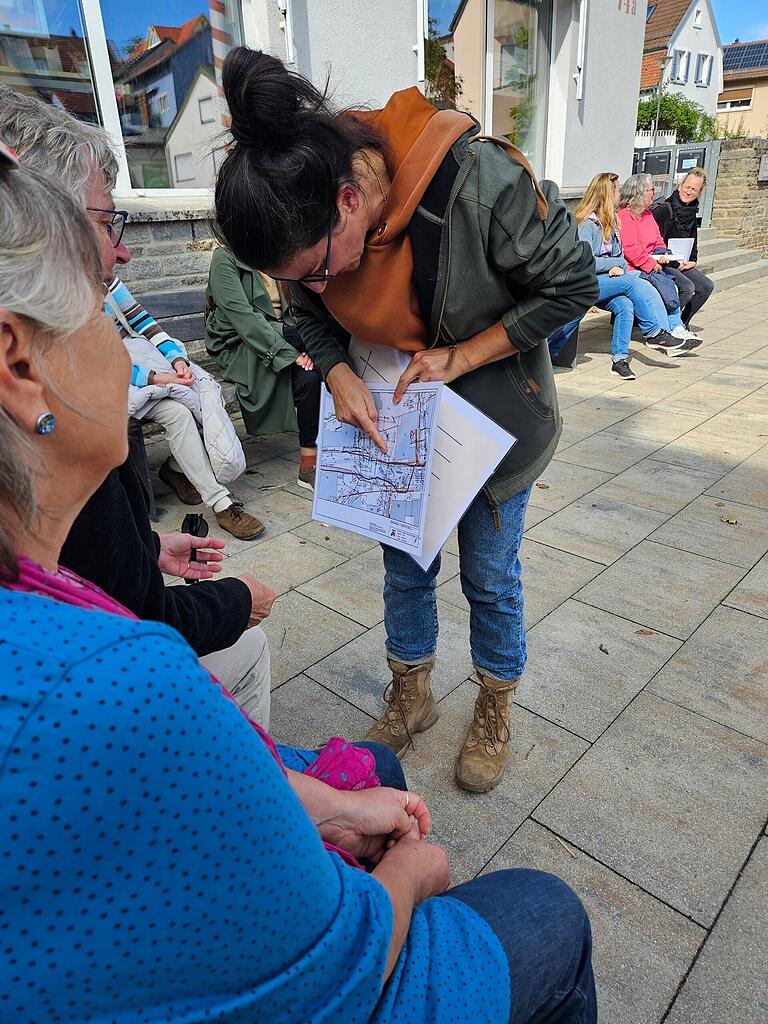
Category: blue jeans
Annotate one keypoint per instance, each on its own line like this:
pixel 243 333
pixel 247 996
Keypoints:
pixel 545 932
pixel 627 297
pixel 387 765
pixel 490 580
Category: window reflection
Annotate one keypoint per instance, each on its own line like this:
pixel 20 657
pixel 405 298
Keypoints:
pixel 166 87
pixel 43 53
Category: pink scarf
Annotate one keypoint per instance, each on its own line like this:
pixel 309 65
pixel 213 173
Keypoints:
pixel 339 764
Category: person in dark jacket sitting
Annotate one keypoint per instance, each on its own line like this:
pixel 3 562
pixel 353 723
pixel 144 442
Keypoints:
pixel 111 542
pixel 676 216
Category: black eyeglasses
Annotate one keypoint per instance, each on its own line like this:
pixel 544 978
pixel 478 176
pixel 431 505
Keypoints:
pixel 116 226
pixel 324 274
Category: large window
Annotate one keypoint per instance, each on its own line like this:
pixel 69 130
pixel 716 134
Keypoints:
pixel 520 74
pixel 148 71
pixel 492 60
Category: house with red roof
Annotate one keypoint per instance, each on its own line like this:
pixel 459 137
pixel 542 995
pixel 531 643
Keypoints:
pixel 683 33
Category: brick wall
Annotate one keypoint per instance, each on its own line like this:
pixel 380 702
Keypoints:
pixel 170 248
pixel 740 207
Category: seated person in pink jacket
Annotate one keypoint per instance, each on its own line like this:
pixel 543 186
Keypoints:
pixel 646 251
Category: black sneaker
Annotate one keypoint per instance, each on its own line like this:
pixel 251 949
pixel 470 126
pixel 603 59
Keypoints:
pixel 664 342
pixel 622 367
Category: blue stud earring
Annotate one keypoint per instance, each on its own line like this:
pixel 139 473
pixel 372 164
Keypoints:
pixel 45 423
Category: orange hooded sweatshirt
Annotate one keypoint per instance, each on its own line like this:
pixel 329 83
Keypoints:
pixel 377 301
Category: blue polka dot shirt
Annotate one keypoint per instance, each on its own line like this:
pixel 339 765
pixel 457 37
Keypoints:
pixel 155 866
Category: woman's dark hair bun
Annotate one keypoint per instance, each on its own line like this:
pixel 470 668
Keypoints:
pixel 266 101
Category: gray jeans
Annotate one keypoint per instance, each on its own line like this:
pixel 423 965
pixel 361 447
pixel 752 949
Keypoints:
pixel 243 669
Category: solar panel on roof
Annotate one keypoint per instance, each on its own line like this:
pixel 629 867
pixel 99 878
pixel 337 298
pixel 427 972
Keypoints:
pixel 742 58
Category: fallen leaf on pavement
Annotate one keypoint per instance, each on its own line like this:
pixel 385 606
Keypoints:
pixel 719 504
pixel 729 519
pixel 603 649
pixel 644 632
pixel 543 487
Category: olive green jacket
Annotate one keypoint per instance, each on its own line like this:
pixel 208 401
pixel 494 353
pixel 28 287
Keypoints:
pixel 498 261
pixel 246 339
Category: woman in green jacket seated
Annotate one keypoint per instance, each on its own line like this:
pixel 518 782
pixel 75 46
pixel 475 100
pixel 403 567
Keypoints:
pixel 251 333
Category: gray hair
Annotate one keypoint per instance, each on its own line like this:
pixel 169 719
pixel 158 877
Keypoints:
pixel 57 143
pixel 633 192
pixel 50 275
pixel 696 172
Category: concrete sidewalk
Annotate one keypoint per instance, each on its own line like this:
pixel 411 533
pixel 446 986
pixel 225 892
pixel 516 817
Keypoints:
pixel 640 736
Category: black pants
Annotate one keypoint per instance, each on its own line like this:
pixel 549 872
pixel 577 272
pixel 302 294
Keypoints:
pixel 694 288
pixel 306 393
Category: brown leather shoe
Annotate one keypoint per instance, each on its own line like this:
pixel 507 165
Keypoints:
pixel 239 523
pixel 185 491
pixel 411 706
pixel 483 757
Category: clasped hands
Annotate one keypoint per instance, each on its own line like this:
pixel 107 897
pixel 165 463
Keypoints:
pixel 353 402
pixel 383 827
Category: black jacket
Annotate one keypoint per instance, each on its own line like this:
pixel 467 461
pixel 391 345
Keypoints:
pixel 111 543
pixel 667 214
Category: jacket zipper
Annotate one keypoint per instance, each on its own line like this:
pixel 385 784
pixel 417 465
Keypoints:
pixel 457 188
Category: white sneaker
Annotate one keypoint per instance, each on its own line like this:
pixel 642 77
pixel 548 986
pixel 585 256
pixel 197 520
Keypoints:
pixel 680 332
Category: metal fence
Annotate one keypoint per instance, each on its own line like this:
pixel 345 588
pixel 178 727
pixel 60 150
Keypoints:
pixel 668 165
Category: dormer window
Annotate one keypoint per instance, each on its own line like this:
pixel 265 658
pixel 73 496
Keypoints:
pixel 649 12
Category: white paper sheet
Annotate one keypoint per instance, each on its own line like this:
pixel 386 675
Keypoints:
pixel 468 447
pixel 359 488
pixel 681 248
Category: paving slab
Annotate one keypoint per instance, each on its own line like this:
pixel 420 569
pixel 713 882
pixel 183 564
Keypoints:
pixel 305 715
pixel 602 411
pixel 586 665
pixel 641 948
pixel 704 450
pixel 729 981
pixel 358 672
pixel 596 527
pixel 748 483
pixel 473 826
pixel 608 451
pixel 751 595
pixel 722 672
pixel 561 483
pixel 283 562
pixel 355 588
pixel 719 529
pixel 659 425
pixel 666 589
pixel 301 632
pixel 667 799
pixel 656 485
pixel 331 537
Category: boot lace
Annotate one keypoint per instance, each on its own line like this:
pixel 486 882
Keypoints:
pixel 493 730
pixel 400 696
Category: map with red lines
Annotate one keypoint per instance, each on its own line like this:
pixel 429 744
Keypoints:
pixel 384 495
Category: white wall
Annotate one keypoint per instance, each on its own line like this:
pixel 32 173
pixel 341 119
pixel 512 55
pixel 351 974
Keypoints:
pixel 190 136
pixel 367 47
pixel 597 132
pixel 695 41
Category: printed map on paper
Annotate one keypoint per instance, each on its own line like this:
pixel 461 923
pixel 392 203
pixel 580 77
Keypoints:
pixel 360 488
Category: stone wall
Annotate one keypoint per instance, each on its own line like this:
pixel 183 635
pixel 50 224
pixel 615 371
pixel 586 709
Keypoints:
pixel 170 245
pixel 740 208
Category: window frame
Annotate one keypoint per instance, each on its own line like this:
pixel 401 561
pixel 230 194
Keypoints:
pixel 206 99
pixel 728 109
pixel 677 62
pixel 106 103
pixel 703 61
pixel 183 156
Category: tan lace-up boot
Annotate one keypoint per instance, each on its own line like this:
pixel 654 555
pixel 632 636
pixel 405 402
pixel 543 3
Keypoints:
pixel 483 757
pixel 411 707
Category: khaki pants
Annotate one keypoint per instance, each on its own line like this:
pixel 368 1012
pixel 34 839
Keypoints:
pixel 187 449
pixel 243 669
